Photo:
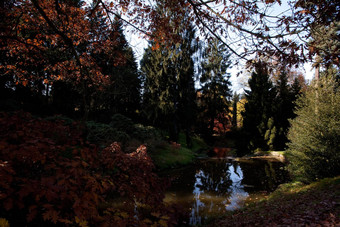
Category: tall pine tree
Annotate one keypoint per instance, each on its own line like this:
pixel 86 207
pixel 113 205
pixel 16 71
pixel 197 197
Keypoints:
pixel 258 122
pixel 215 91
pixel 122 93
pixel 169 92
pixel 284 104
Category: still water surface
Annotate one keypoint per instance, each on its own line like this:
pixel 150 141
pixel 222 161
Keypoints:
pixel 213 186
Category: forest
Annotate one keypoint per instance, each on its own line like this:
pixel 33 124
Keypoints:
pixel 87 125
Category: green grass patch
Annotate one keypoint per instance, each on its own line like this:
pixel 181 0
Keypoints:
pixel 169 157
pixel 197 143
pixel 165 155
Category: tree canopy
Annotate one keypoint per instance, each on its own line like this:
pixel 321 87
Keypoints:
pixel 35 31
pixel 73 56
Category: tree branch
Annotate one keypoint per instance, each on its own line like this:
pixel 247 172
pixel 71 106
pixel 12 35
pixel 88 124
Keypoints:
pixel 66 39
pixel 212 32
pixel 127 22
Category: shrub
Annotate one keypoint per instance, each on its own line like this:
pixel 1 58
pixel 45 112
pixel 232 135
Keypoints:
pixel 104 135
pixel 144 133
pixel 61 119
pixel 314 148
pixel 49 175
pixel 122 123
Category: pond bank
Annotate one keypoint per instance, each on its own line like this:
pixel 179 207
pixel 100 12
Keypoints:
pixel 271 156
pixel 317 204
pixel 212 186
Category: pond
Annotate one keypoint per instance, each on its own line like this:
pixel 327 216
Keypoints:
pixel 211 186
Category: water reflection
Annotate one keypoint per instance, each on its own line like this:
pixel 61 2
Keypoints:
pixel 237 193
pixel 216 191
pixel 212 187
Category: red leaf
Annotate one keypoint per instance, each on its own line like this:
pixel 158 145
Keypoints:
pixel 8 204
pixel 32 213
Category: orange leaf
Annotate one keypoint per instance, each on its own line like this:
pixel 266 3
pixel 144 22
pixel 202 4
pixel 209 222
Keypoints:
pixel 51 215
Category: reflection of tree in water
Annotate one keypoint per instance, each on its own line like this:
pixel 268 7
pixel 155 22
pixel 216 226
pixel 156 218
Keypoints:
pixel 213 186
pixel 263 175
pixel 237 193
pixel 215 177
pixel 217 189
pixel 182 181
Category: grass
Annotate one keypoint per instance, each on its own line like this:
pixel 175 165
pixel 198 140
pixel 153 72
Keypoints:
pixel 170 157
pixel 197 143
pixel 292 204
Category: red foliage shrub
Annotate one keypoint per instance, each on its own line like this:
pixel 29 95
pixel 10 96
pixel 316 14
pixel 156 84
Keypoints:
pixel 50 175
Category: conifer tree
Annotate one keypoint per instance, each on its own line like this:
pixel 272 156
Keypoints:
pixel 187 92
pixel 122 93
pixel 314 148
pixel 258 122
pixel 169 93
pixel 215 84
pixel 236 99
pixel 283 109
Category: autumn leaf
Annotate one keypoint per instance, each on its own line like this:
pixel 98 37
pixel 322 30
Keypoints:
pixel 51 215
pixel 156 214
pixel 163 223
pixel 4 223
pixel 32 213
pixel 82 181
pixel 8 204
pixel 81 222
pixel 24 83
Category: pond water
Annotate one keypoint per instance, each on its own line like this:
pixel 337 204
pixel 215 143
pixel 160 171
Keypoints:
pixel 213 186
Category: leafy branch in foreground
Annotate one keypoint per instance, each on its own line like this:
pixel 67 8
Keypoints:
pixel 49 174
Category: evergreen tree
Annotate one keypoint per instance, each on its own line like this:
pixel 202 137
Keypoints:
pixel 155 93
pixel 215 91
pixel 187 92
pixel 258 121
pixel 284 104
pixel 315 133
pixel 124 91
pixel 236 99
pixel 169 93
pixel 122 94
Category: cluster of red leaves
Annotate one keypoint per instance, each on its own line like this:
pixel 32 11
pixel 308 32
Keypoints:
pixel 56 36
pixel 50 175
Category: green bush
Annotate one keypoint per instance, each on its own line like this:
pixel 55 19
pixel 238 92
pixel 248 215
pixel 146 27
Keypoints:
pixel 314 148
pixel 122 123
pixel 66 120
pixel 144 133
pixel 104 135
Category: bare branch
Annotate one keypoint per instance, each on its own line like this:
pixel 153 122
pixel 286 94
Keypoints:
pixel 212 32
pixel 126 21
